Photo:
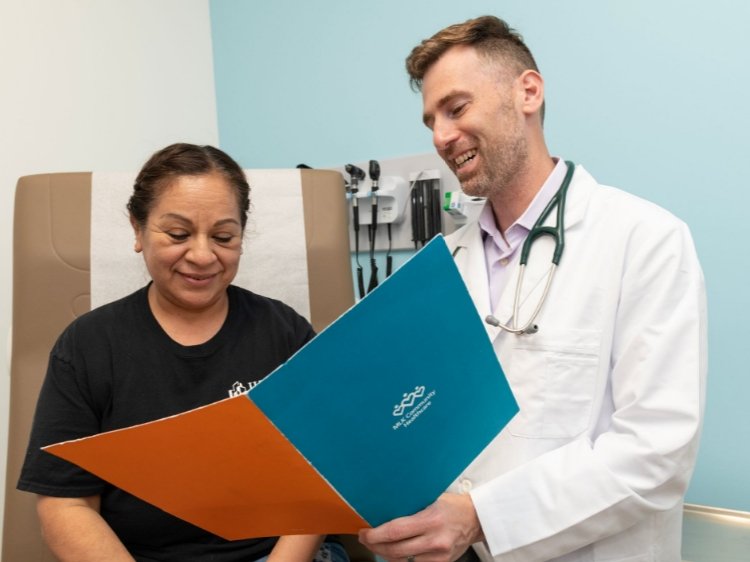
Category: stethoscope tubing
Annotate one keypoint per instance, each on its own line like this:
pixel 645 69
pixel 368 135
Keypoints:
pixel 558 234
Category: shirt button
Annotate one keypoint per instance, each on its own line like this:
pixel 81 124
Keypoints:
pixel 466 485
pixel 504 261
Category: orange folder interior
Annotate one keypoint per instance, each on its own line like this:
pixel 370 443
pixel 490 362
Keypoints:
pixel 223 467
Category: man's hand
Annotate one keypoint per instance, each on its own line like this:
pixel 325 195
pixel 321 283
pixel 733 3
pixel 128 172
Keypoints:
pixel 440 533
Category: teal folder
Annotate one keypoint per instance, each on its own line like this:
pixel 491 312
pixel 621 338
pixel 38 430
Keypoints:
pixel 393 400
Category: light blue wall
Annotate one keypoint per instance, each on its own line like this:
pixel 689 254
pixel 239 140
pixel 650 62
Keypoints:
pixel 650 96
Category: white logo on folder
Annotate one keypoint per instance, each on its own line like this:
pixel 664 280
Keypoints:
pixel 409 409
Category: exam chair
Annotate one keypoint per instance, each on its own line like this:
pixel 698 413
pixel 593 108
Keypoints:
pixel 51 287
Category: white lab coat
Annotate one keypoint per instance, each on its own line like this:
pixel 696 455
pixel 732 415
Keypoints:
pixel 611 389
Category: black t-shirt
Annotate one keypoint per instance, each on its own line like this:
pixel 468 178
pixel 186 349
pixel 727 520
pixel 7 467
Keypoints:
pixel 115 367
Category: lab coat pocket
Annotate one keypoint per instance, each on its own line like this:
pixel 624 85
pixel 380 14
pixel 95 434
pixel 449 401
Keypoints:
pixel 554 374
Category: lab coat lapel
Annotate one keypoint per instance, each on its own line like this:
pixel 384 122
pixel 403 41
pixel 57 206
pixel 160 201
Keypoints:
pixel 468 251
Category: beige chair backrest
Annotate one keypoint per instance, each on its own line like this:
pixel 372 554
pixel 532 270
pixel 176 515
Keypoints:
pixel 51 265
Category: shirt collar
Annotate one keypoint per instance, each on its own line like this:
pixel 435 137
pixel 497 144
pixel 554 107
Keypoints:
pixel 535 208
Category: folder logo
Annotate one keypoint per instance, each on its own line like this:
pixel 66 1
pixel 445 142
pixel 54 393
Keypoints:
pixel 413 405
pixel 408 401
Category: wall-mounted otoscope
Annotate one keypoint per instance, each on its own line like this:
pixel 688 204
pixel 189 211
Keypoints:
pixel 373 227
pixel 357 175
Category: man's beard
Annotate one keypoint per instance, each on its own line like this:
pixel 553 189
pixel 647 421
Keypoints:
pixel 500 166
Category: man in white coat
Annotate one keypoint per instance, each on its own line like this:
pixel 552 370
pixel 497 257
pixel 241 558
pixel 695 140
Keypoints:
pixel 611 387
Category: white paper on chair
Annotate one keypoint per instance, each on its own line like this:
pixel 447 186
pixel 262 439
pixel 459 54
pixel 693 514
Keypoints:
pixel 274 262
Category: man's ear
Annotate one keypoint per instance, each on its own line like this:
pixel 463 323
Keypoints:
pixel 532 87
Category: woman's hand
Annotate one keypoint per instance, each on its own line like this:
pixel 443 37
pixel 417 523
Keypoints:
pixel 296 548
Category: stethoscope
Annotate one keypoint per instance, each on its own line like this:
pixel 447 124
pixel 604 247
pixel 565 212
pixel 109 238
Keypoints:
pixel 558 234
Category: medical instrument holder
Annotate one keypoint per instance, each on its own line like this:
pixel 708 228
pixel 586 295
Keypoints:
pixel 392 195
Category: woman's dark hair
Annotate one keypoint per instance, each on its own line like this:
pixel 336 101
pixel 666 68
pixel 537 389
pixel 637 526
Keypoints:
pixel 182 159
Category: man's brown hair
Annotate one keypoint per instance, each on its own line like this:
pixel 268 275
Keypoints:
pixel 493 39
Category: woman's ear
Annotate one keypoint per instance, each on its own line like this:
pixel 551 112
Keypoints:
pixel 137 230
